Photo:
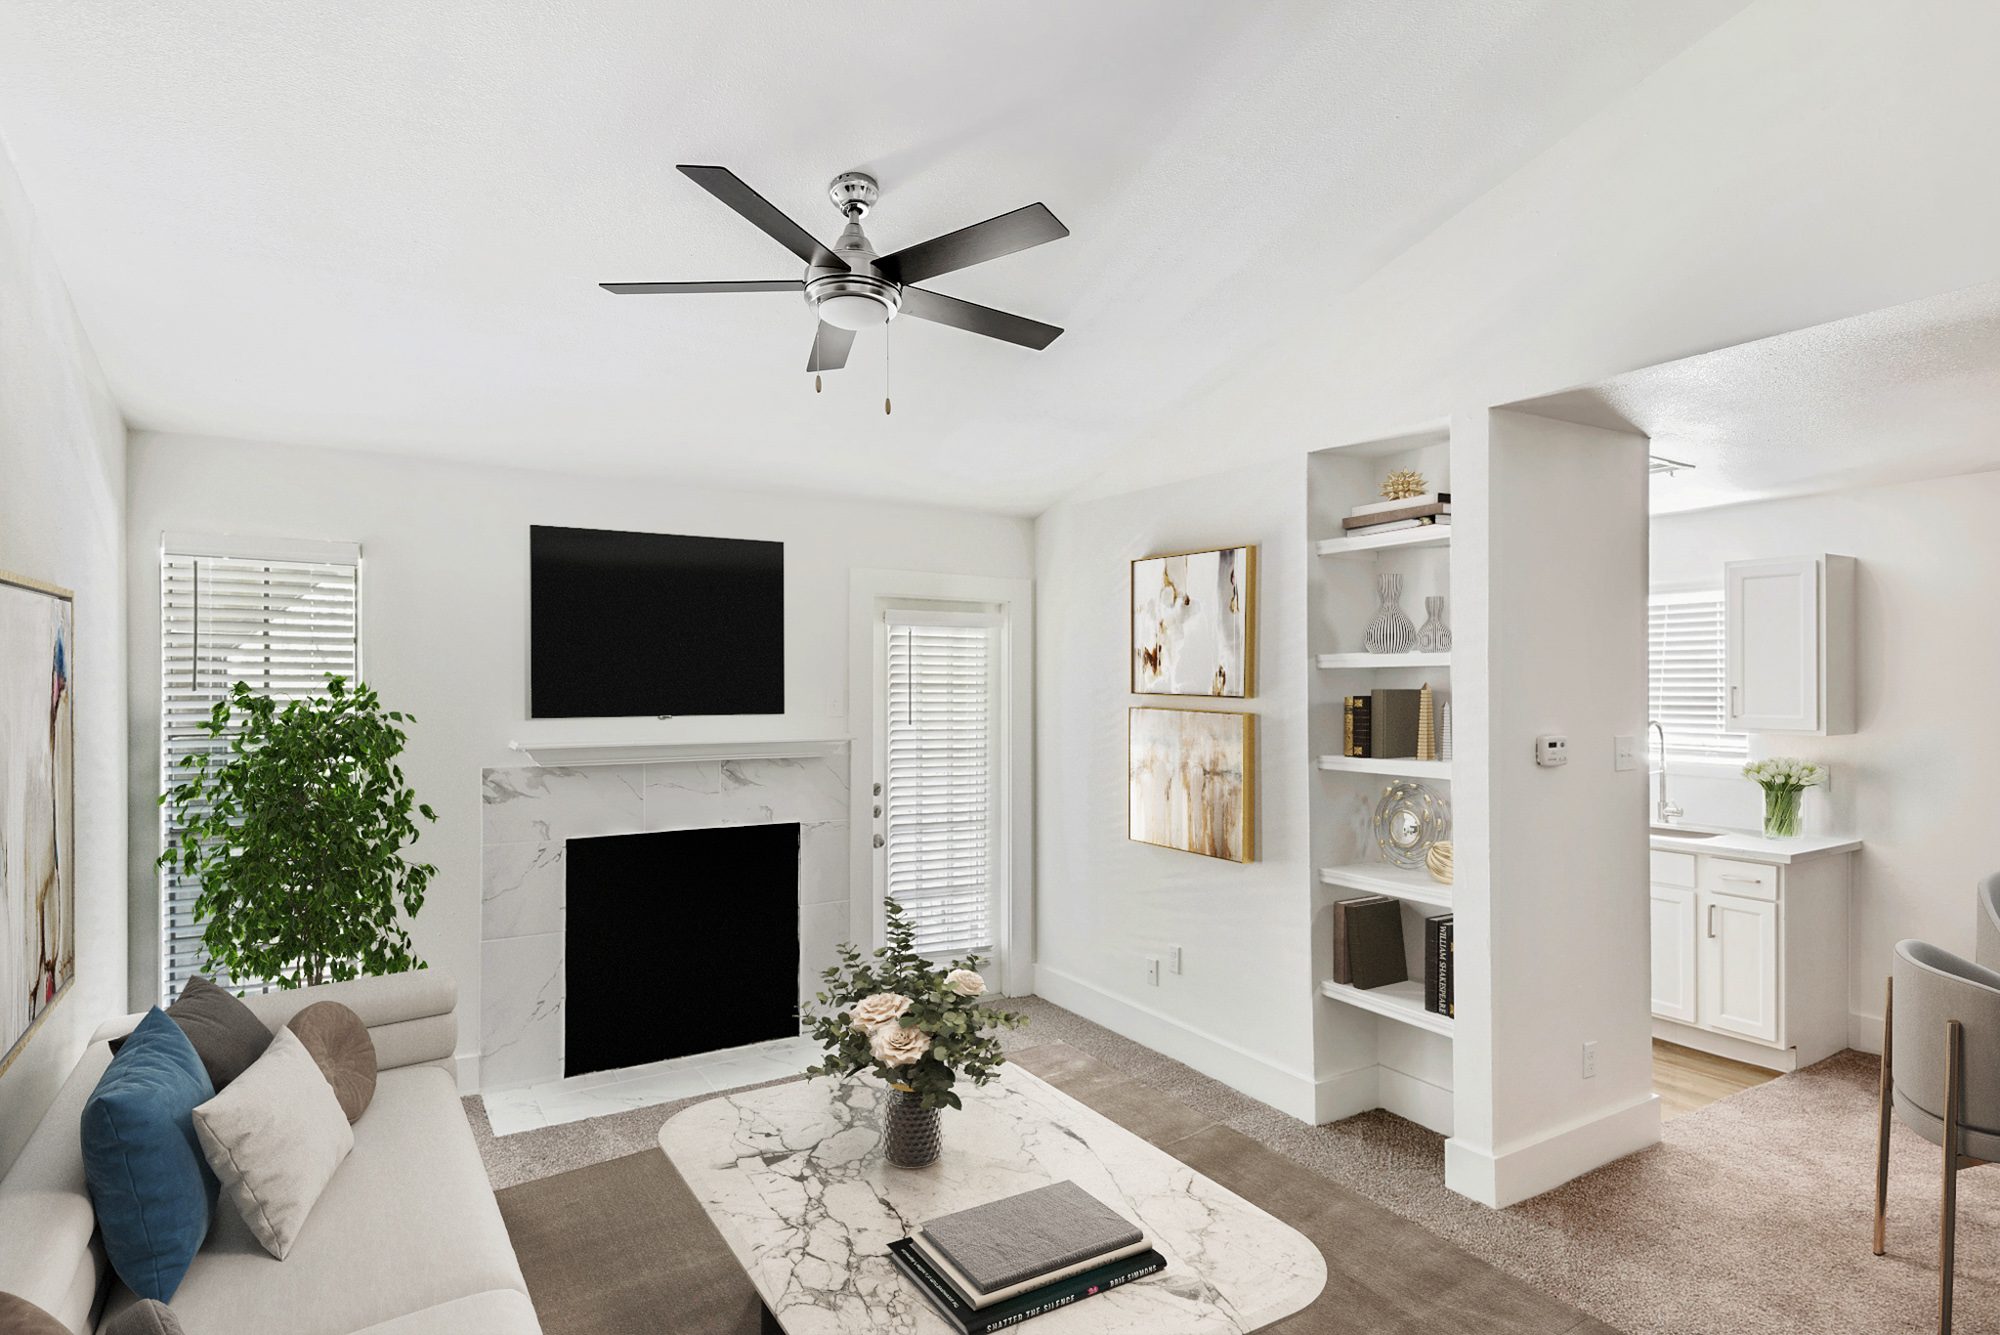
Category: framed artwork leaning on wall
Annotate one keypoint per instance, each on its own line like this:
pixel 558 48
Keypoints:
pixel 1194 623
pixel 1191 781
pixel 37 806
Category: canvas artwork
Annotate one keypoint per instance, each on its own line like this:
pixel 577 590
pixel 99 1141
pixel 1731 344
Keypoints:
pixel 1190 781
pixel 37 806
pixel 1194 623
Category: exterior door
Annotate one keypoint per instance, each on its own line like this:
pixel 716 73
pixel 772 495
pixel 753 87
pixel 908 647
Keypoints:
pixel 1738 988
pixel 1674 954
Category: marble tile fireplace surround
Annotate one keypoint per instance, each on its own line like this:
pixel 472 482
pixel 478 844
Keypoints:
pixel 529 814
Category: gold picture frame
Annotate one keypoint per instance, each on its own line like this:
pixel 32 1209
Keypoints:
pixel 1205 643
pixel 1191 781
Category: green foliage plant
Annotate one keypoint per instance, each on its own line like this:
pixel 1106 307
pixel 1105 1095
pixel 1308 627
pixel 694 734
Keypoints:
pixel 294 824
pixel 943 1006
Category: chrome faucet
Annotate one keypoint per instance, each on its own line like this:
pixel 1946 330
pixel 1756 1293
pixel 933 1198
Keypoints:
pixel 1665 813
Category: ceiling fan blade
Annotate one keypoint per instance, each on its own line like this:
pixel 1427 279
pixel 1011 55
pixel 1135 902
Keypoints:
pixel 989 240
pixel 830 347
pixel 728 187
pixel 747 285
pixel 940 309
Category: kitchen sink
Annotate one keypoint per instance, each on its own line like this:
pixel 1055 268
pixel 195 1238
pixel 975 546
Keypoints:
pixel 1675 831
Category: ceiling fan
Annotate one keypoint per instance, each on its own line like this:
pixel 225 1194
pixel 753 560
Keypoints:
pixel 852 288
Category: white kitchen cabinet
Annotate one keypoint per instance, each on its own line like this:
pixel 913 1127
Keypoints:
pixel 1738 949
pixel 1789 644
pixel 1674 953
pixel 1750 949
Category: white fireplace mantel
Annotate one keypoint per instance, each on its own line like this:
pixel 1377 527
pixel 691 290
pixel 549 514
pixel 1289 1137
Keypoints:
pixel 567 755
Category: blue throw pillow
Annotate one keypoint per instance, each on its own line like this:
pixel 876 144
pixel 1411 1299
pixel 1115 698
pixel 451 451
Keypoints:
pixel 152 1188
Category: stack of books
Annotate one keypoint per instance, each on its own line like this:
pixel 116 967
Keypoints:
pixel 1001 1263
pixel 1432 507
pixel 1438 994
pixel 1368 942
pixel 1384 725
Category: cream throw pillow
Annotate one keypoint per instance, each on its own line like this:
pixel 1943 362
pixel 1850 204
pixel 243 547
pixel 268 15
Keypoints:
pixel 274 1138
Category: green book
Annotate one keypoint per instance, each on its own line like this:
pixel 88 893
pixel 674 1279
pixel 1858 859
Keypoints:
pixel 1375 943
pixel 1392 724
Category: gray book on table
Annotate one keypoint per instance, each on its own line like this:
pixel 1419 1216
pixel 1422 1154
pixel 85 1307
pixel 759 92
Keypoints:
pixel 1007 1241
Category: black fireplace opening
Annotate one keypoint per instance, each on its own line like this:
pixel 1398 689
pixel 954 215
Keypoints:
pixel 679 942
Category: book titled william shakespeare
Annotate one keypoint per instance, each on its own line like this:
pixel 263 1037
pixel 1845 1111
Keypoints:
pixel 1001 1263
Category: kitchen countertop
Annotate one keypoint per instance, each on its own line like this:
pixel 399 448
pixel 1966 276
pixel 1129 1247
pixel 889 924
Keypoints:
pixel 1755 847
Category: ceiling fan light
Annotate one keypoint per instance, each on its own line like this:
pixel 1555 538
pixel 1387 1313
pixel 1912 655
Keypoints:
pixel 848 311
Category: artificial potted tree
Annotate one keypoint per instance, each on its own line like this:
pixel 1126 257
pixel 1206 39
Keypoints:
pixel 294 823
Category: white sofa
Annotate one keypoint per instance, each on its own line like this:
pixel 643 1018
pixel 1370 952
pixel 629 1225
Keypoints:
pixel 406 1239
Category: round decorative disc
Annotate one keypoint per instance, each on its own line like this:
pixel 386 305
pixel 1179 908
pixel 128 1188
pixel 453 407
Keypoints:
pixel 1408 820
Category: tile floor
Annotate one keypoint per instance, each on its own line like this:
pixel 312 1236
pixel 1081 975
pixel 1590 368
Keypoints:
pixel 601 1092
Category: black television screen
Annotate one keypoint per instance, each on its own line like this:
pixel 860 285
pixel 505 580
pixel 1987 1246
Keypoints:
pixel 654 623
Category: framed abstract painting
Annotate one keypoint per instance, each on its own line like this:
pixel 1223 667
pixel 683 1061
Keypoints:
pixel 37 806
pixel 1191 781
pixel 1194 623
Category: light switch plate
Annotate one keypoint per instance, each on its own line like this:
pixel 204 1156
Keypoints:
pixel 1625 753
pixel 1552 748
pixel 1173 959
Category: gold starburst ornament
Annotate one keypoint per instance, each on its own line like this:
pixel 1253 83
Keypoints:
pixel 1403 484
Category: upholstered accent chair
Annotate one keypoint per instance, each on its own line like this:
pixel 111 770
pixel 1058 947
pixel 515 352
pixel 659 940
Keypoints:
pixel 1986 949
pixel 1941 1075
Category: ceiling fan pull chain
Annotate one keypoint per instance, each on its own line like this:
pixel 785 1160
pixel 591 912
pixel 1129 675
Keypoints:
pixel 816 329
pixel 885 370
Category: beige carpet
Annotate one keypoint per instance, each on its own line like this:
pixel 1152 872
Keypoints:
pixel 1752 1214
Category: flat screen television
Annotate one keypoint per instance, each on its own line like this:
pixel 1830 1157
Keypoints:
pixel 624 624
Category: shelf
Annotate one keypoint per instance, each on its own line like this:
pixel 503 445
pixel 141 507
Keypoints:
pixel 1336 661
pixel 1430 535
pixel 1415 769
pixel 1398 1001
pixel 1386 878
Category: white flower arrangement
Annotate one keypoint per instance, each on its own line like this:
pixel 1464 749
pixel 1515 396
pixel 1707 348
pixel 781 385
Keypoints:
pixel 1785 773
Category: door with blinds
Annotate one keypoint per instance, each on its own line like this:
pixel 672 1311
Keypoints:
pixel 281 624
pixel 939 760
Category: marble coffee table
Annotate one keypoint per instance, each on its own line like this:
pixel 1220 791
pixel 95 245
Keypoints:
pixel 794 1179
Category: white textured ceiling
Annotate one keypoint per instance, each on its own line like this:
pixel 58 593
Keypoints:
pixel 1895 395
pixel 381 225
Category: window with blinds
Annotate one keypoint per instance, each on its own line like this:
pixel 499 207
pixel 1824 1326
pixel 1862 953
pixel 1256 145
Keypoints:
pixel 282 626
pixel 941 790
pixel 1685 682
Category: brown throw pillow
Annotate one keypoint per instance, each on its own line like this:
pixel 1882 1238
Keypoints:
pixel 18 1316
pixel 339 1042
pixel 145 1317
pixel 226 1036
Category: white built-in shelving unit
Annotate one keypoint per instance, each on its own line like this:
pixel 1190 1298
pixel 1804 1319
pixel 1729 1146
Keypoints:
pixel 1410 1047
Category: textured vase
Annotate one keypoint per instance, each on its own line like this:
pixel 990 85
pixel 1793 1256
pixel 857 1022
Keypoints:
pixel 1781 812
pixel 1390 632
pixel 911 1134
pixel 1434 637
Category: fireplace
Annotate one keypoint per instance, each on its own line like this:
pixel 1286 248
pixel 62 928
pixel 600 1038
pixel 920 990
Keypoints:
pixel 680 942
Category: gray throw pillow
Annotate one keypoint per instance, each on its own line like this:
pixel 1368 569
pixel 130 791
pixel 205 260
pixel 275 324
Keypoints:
pixel 339 1042
pixel 145 1317
pixel 226 1036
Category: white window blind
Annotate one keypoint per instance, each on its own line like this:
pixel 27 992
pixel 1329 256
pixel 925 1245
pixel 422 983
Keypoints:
pixel 942 790
pixel 1685 683
pixel 282 626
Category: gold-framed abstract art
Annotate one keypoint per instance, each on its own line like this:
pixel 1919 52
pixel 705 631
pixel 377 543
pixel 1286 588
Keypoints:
pixel 37 806
pixel 1194 623
pixel 1191 781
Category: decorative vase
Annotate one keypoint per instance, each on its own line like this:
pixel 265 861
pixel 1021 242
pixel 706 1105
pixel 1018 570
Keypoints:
pixel 1781 812
pixel 1434 637
pixel 1390 632
pixel 911 1134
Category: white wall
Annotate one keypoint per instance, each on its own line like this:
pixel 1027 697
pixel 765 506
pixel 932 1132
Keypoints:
pixel 62 483
pixel 1919 780
pixel 1241 1008
pixel 444 607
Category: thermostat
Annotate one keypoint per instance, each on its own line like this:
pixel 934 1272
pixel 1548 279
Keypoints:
pixel 1552 749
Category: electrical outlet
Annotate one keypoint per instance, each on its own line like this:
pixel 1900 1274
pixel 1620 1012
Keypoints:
pixel 1153 970
pixel 1590 1059
pixel 1624 753
pixel 1173 959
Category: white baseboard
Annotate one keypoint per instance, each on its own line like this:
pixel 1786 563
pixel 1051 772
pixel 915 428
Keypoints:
pixel 1289 1091
pixel 1346 1093
pixel 1864 1032
pixel 1745 1050
pixel 1528 1168
pixel 1424 1103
